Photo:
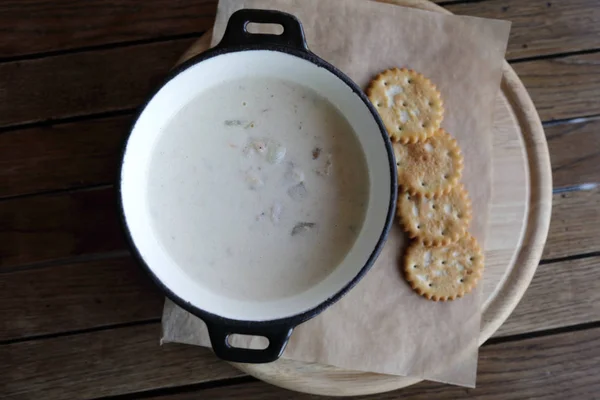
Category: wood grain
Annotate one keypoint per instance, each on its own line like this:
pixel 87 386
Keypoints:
pixel 67 24
pixel 62 299
pixel 78 296
pixel 61 156
pixel 555 367
pixel 564 87
pixel 51 227
pixel 33 379
pixel 575 224
pixel 109 80
pixel 84 83
pixel 561 294
pixel 103 363
pixel 85 153
pixel 575 151
pixel 127 359
pixel 541 27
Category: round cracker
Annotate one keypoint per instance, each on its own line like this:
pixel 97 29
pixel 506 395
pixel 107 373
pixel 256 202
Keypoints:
pixel 410 106
pixel 446 272
pixel 430 168
pixel 436 221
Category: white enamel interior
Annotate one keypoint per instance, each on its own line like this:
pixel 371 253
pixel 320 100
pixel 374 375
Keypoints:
pixel 180 91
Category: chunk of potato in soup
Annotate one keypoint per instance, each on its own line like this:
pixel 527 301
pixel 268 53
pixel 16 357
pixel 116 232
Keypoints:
pixel 258 189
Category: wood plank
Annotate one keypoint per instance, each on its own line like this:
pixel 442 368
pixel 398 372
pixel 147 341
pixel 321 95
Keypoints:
pixel 61 156
pixel 60 299
pixel 51 227
pixel 84 83
pixel 32 26
pixel 553 367
pixel 130 359
pixel 565 87
pixel 59 226
pixel 86 153
pixel 103 363
pixel 563 26
pixel 570 294
pixel 74 297
pixel 541 27
pixel 83 153
pixel 575 224
pixel 575 152
pixel 109 80
pixel 561 294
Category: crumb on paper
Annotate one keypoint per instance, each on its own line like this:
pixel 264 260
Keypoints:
pixel 249 125
pixel 302 227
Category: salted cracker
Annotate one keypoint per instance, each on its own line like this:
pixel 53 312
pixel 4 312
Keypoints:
pixel 445 272
pixel 410 106
pixel 436 221
pixel 431 167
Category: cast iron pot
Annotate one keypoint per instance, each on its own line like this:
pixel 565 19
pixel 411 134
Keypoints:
pixel 241 54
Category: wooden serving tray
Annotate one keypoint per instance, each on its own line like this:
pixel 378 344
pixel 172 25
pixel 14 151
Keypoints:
pixel 518 225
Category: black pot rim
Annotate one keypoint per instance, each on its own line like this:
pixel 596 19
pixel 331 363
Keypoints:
pixel 295 319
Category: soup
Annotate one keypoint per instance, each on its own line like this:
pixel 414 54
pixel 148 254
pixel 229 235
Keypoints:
pixel 258 188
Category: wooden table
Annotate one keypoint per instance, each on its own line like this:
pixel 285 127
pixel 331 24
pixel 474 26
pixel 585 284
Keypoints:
pixel 79 320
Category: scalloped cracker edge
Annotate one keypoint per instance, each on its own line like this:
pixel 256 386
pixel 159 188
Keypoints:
pixel 446 272
pixel 409 104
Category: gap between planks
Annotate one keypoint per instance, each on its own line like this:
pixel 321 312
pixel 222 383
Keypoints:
pixel 154 60
pixel 561 30
pixel 539 26
pixel 69 223
pixel 105 46
pixel 93 161
pixel 116 293
pixel 111 365
pixel 567 366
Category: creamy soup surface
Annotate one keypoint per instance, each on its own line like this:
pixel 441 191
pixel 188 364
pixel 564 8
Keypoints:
pixel 258 188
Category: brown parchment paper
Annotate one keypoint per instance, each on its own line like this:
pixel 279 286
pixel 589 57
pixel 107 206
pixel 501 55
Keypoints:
pixel 382 325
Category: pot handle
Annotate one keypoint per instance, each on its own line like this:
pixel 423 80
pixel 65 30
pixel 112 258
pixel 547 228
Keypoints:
pixel 278 337
pixel 236 33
